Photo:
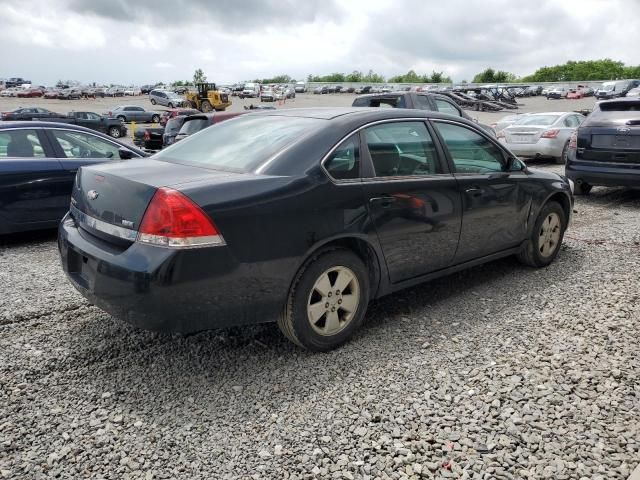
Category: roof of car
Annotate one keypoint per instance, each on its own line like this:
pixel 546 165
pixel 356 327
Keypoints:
pixel 351 113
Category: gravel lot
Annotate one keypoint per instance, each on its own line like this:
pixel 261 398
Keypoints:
pixel 501 372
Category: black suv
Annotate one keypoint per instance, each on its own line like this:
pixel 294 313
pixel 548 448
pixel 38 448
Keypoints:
pixel 605 150
pixel 418 101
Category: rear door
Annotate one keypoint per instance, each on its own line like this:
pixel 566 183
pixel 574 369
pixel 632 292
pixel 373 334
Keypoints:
pixel 33 185
pixel 413 200
pixel 495 204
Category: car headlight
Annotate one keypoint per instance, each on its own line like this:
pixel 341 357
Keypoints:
pixel 571 184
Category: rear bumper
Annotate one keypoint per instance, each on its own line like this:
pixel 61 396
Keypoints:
pixel 599 173
pixel 545 147
pixel 169 290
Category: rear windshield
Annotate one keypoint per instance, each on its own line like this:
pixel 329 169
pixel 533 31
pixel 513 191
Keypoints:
pixel 537 120
pixel 240 144
pixel 193 126
pixel 174 124
pixel 620 106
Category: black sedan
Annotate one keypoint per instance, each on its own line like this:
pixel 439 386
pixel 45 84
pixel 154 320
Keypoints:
pixel 303 216
pixel 38 163
pixel 28 113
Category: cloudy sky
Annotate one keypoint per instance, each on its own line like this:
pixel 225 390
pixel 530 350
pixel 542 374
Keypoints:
pixel 144 41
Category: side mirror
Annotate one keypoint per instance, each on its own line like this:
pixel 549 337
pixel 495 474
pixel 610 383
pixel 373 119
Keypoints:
pixel 125 154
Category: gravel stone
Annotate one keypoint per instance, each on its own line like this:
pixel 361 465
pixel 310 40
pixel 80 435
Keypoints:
pixel 551 356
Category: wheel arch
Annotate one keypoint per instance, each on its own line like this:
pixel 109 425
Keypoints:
pixel 564 201
pixel 357 244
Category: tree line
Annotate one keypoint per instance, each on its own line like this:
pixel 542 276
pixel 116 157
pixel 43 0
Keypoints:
pixel 604 69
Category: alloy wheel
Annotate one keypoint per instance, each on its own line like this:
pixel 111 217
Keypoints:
pixel 333 301
pixel 549 237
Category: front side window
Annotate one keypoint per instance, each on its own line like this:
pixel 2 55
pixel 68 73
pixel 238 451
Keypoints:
pixel 344 162
pixel 401 149
pixel 470 152
pixel 83 145
pixel 20 143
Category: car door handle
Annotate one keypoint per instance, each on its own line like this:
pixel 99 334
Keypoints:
pixel 475 191
pixel 384 202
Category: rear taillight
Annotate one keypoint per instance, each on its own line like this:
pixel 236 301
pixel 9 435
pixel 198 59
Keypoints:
pixel 573 141
pixel 550 133
pixel 147 135
pixel 173 220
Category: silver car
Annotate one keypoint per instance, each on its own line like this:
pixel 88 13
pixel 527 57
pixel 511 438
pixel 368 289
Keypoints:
pixel 542 135
pixel 166 98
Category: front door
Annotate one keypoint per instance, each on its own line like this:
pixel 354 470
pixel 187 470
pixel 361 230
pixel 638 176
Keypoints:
pixel 494 204
pixel 413 201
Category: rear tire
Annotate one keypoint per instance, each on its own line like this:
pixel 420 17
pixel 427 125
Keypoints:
pixel 170 105
pixel 546 237
pixel 115 132
pixel 562 159
pixel 327 301
pixel 122 118
pixel 155 119
pixel 582 188
pixel 206 106
pixel 153 101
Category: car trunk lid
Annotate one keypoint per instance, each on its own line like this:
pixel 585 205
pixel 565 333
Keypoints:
pixel 109 200
pixel 524 134
pixel 611 134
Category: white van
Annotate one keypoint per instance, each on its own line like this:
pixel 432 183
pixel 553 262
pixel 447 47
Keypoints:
pixel 250 90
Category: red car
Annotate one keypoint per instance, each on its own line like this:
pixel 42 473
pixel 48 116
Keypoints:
pixel 30 93
pixel 175 112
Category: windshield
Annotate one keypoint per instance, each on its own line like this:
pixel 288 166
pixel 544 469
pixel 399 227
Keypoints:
pixel 239 144
pixel 607 86
pixel 538 120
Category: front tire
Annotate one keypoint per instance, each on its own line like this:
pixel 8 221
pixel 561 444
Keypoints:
pixel 545 240
pixel 153 101
pixel 327 301
pixel 170 105
pixel 155 119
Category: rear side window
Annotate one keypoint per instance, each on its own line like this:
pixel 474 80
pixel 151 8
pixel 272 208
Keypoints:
pixel 344 162
pixel 402 149
pixel 20 143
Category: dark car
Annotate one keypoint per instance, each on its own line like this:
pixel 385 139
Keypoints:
pixel 150 139
pixel 415 100
pixel 194 123
pixel 101 123
pixel 28 113
pixel 605 149
pixel 303 216
pixel 38 162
